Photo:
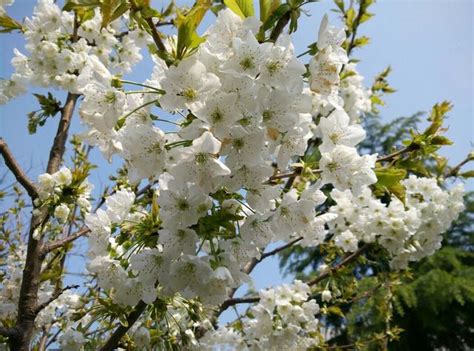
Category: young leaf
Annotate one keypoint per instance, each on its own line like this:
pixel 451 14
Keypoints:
pixel 111 10
pixel 267 7
pixel 242 8
pixel 8 24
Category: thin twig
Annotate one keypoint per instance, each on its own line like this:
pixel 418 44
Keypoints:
pixel 346 260
pixel 61 242
pixel 455 170
pixel 56 294
pixel 15 168
pixel 281 24
pixel 409 148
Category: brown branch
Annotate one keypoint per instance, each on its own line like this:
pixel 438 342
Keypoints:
pixel 345 261
pixel 409 148
pixel 455 170
pixel 59 145
pixel 281 248
pixel 156 36
pixel 56 294
pixel 115 338
pixel 252 299
pixel 281 24
pixel 238 300
pixel 19 174
pixel 61 242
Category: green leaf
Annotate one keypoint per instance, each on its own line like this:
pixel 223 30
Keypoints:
pixel 335 310
pixel 437 116
pixel 267 7
pixel 242 8
pixel 49 108
pixel 8 24
pixel 84 9
pixel 468 174
pixel 188 39
pixel 275 16
pixel 440 140
pixel 388 180
pixel 111 10
pixel 350 16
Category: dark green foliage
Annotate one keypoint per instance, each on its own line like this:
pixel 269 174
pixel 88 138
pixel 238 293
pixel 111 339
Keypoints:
pixel 436 309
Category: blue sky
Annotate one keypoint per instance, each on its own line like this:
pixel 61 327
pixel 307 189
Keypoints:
pixel 429 45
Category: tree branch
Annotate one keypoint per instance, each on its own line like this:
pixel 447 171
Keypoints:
pixel 56 294
pixel 252 299
pixel 346 260
pixel 455 170
pixel 115 338
pixel 61 242
pixel 19 174
pixel 404 150
pixel 281 24
pixel 59 145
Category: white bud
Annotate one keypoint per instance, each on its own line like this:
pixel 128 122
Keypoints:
pixel 61 213
pixel 326 295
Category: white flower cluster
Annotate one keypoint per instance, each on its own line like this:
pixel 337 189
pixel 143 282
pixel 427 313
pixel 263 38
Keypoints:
pixel 284 319
pixel 355 95
pixel 11 272
pixel 338 109
pixel 60 56
pixel 408 231
pixel 111 275
pixel 52 188
pixel 72 340
pixel 249 114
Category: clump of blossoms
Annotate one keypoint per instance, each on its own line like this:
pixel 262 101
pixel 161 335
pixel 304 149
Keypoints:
pixel 243 122
pixel 265 147
pixel 284 319
pixel 61 192
pixel 60 56
pixel 409 231
pixel 11 271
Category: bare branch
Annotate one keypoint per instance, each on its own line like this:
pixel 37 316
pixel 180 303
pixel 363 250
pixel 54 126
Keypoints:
pixel 345 261
pixel 237 300
pixel 402 151
pixel 59 145
pixel 56 294
pixel 118 334
pixel 61 242
pixel 252 299
pixel 281 248
pixel 19 174
pixel 455 170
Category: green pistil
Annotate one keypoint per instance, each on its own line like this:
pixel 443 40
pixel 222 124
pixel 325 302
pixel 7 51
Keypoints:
pixel 247 63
